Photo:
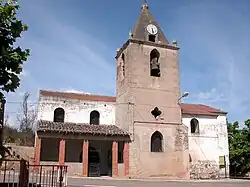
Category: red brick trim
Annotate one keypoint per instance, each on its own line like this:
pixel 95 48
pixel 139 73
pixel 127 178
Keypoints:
pixel 37 151
pixel 126 158
pixel 114 159
pixel 85 154
pixel 61 152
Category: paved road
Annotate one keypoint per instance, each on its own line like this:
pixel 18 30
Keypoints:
pixel 76 182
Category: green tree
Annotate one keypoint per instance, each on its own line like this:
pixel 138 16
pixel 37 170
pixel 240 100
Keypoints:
pixel 12 56
pixel 239 148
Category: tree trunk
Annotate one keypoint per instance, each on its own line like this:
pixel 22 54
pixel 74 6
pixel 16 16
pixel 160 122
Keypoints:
pixel 2 106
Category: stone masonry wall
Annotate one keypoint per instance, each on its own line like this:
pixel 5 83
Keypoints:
pixel 204 169
pixel 24 152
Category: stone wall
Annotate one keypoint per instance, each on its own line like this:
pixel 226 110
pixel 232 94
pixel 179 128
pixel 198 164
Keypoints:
pixel 12 161
pixel 25 152
pixel 204 169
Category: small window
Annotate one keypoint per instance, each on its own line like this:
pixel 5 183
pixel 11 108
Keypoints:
pixel 94 118
pixel 156 142
pixel 59 114
pixel 123 64
pixel 190 158
pixel 151 38
pixel 194 123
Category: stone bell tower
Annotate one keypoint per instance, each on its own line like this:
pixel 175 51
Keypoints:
pixel 148 90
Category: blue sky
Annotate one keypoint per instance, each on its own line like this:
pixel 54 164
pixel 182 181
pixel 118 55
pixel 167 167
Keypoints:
pixel 73 45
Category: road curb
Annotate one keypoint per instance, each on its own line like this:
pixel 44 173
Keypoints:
pixel 155 179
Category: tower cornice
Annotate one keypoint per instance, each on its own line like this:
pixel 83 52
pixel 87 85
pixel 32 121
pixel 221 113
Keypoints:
pixel 140 42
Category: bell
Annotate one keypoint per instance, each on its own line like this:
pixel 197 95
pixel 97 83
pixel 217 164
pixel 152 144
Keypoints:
pixel 155 68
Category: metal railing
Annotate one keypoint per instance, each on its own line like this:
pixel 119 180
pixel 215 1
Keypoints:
pixel 20 173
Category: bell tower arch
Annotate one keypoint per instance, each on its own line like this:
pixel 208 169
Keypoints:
pixel 155 69
pixel 147 100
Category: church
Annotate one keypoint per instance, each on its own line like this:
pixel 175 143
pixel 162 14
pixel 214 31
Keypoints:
pixel 145 130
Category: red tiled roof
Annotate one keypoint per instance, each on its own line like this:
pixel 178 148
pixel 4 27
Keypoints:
pixel 192 109
pixel 78 96
pixel 80 128
pixel 198 109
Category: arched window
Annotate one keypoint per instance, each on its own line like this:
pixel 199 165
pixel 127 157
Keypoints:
pixel 156 142
pixel 154 63
pixel 194 124
pixel 94 118
pixel 190 158
pixel 59 114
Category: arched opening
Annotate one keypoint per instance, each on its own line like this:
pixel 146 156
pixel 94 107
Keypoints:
pixel 190 158
pixel 123 64
pixel 154 63
pixel 94 118
pixel 59 114
pixel 156 142
pixel 194 123
pixel 93 163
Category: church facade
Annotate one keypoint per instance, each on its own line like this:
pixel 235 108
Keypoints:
pixel 145 131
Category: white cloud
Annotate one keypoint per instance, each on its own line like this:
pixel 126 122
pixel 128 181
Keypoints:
pixel 221 39
pixel 24 73
pixel 76 91
pixel 67 54
pixel 64 56
pixel 210 96
pixel 61 56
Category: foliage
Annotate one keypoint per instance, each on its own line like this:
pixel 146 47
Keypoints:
pixel 17 135
pixel 13 135
pixel 239 148
pixel 12 56
pixel 23 135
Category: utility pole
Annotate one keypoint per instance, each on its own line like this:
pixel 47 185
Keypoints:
pixel 2 105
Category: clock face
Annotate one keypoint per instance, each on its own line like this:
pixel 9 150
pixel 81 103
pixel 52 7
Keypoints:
pixel 152 29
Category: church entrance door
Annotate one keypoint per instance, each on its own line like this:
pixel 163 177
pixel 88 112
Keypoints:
pixel 93 163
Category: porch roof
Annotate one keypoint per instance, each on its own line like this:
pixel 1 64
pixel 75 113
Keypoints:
pixel 80 128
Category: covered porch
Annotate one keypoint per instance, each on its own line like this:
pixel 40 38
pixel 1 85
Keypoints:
pixel 87 150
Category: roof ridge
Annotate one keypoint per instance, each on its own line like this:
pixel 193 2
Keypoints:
pixel 204 108
pixel 64 92
pixel 77 96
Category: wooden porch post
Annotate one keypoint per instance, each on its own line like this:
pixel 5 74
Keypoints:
pixel 85 160
pixel 126 158
pixel 62 152
pixel 114 159
pixel 37 150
